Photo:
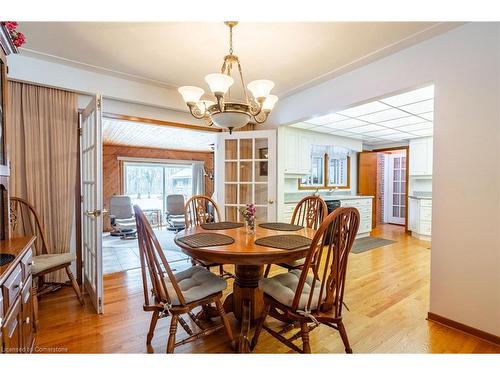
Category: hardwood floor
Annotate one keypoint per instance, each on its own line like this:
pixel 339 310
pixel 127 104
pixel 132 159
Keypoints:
pixel 387 294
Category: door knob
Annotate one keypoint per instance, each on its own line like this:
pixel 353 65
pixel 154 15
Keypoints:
pixel 93 213
pixel 270 201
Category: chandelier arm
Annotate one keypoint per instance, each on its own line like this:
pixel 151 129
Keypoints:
pixel 258 111
pixel 220 102
pixel 196 113
pixel 243 82
pixel 209 121
pixel 261 122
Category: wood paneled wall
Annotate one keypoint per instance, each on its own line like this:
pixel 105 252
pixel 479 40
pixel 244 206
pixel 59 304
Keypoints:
pixel 112 171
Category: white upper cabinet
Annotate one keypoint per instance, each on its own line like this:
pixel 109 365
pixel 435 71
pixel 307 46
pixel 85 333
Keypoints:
pixel 297 153
pixel 421 157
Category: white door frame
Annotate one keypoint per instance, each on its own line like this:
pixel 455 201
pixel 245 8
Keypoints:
pixel 92 205
pixel 219 193
pixel 390 189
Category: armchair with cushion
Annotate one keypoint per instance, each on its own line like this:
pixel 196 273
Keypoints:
pixel 175 212
pixel 122 217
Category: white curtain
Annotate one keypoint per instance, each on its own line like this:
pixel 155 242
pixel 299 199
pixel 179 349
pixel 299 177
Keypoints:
pixel 337 152
pixel 198 178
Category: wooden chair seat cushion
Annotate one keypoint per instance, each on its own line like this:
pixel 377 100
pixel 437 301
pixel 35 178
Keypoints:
pixel 206 264
pixel 294 264
pixel 44 262
pixel 195 283
pixel 282 288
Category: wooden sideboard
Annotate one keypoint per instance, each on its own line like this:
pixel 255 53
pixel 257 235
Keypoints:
pixel 17 329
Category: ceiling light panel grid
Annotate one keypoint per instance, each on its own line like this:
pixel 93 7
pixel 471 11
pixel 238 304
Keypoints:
pixel 398 117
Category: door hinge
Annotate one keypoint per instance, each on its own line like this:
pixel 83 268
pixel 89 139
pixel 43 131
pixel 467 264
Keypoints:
pixel 80 131
pixel 100 302
pixel 81 198
pixel 99 103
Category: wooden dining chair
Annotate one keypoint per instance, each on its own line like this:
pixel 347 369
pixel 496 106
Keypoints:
pixel 26 222
pixel 176 294
pixel 313 295
pixel 310 213
pixel 200 209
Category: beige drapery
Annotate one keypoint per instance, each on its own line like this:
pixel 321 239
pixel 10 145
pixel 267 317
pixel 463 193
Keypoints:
pixel 42 144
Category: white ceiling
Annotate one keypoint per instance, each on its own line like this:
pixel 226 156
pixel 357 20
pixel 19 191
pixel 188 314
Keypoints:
pixel 294 55
pixel 127 133
pixel 392 119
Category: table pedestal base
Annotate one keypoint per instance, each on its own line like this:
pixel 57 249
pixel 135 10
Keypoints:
pixel 246 302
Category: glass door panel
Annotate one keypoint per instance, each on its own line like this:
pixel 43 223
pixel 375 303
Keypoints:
pixel 246 149
pixel 246 168
pixel 231 148
pixel 247 161
pixel 231 171
pixel 397 188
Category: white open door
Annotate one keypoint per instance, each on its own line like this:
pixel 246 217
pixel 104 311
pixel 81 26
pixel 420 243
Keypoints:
pixel 396 197
pixel 91 185
pixel 245 173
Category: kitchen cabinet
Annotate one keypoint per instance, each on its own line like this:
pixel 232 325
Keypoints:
pixel 413 214
pixel 420 217
pixel 421 156
pixel 297 153
pixel 363 205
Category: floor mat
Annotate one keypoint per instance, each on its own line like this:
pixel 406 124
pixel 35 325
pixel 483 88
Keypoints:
pixel 368 243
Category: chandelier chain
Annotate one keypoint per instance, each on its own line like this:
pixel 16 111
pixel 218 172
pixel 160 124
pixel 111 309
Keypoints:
pixel 230 39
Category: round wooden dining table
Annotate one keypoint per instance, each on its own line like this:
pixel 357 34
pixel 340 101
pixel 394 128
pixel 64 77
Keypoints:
pixel 246 300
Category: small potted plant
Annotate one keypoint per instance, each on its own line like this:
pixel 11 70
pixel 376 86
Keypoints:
pixel 249 215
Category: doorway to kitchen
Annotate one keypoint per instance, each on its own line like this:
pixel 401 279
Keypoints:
pixel 383 174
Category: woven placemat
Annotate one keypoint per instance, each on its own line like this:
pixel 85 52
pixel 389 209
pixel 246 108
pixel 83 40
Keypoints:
pixel 6 258
pixel 222 225
pixel 284 241
pixel 281 226
pixel 206 240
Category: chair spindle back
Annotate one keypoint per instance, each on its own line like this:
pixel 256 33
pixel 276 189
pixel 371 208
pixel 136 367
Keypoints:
pixel 200 209
pixel 327 258
pixel 154 263
pixel 310 212
pixel 25 221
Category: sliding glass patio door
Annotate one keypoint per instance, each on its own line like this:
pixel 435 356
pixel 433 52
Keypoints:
pixel 148 184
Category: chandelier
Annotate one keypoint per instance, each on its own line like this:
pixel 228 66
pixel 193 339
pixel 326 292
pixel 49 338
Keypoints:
pixel 224 112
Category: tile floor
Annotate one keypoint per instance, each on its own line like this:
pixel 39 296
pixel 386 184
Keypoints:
pixel 123 255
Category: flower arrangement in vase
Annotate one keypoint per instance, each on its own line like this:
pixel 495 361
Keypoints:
pixel 17 37
pixel 248 214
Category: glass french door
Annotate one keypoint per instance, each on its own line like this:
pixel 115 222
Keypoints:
pixel 246 173
pixel 397 188
pixel 92 208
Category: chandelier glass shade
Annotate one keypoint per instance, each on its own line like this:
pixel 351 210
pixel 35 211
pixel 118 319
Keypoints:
pixel 224 112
